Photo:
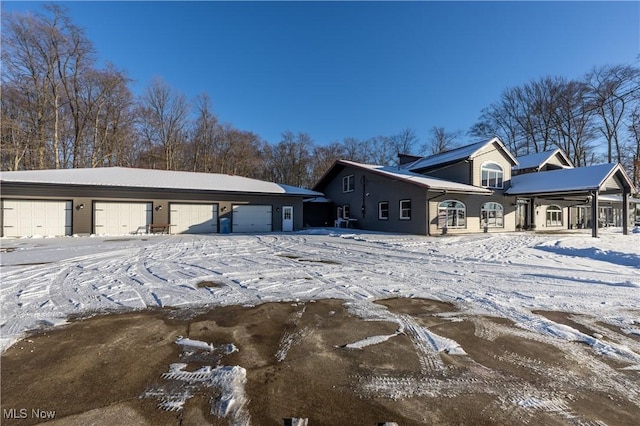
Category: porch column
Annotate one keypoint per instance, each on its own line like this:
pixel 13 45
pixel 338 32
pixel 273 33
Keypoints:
pixel 594 214
pixel 532 219
pixel 625 213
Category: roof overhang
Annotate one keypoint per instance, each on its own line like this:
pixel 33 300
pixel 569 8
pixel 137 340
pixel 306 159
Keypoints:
pixel 402 175
pixel 604 178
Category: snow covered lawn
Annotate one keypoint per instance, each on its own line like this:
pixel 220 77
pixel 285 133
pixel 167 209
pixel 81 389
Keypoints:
pixel 504 275
pixel 541 324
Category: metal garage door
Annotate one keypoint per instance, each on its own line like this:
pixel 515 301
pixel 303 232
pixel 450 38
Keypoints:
pixel 251 218
pixel 22 218
pixel 114 218
pixel 193 218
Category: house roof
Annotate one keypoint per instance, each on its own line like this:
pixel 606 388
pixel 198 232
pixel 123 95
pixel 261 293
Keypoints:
pixel 538 159
pixel 602 177
pixel 407 176
pixel 455 155
pixel 158 179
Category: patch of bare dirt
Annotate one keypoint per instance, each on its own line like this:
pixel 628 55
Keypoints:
pixel 102 370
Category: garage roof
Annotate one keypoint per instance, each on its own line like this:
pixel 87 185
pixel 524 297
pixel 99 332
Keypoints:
pixel 147 178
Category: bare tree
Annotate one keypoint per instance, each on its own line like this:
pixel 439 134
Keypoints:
pixel 634 131
pixel 164 114
pixel 441 140
pixel 27 70
pixel 323 157
pixel 574 124
pixel 110 139
pixel 611 90
pixel 289 161
pixel 205 135
pixel 403 142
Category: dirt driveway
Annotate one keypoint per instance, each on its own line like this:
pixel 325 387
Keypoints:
pixel 320 361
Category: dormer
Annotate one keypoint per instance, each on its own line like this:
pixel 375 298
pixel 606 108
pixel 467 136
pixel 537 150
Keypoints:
pixel 554 159
pixel 487 163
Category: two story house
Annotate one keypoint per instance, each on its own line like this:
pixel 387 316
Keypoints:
pixel 480 187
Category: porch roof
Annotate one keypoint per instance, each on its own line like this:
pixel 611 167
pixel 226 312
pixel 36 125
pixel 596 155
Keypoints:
pixel 609 177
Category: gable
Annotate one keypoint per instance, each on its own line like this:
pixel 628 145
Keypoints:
pixel 461 154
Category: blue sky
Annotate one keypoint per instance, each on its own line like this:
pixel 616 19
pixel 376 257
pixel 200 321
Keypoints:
pixel 354 69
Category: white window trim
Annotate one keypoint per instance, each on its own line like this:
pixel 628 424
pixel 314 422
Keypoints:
pixel 558 211
pixel 491 171
pixel 403 217
pixel 345 183
pixel 380 217
pixel 446 225
pixel 482 210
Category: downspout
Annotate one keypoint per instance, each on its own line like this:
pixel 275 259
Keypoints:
pixel 625 213
pixel 364 195
pixel 429 209
pixel 594 214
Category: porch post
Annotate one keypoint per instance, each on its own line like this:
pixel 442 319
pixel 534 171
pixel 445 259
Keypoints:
pixel 428 214
pixel 594 214
pixel 532 219
pixel 625 213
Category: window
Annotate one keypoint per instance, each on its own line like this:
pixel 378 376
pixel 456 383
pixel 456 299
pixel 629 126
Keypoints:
pixel 492 215
pixel 383 210
pixel 405 209
pixel 452 214
pixel 554 216
pixel 346 211
pixel 348 183
pixel 492 175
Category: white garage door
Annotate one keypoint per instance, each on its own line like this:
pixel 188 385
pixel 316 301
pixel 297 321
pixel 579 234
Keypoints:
pixel 121 218
pixel 193 218
pixel 251 218
pixel 22 218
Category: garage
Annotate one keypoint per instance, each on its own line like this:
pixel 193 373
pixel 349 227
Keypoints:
pixel 36 217
pixel 120 218
pixel 193 218
pixel 251 218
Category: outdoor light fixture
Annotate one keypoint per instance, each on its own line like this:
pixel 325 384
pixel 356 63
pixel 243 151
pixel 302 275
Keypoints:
pixel 80 206
pixel 224 208
pixel 158 208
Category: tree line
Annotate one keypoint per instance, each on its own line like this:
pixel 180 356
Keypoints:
pixel 59 109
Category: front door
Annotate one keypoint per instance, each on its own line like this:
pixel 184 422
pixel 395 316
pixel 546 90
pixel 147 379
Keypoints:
pixel 287 218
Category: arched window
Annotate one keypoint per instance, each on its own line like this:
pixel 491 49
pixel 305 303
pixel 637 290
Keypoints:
pixel 452 214
pixel 492 215
pixel 554 216
pixel 492 175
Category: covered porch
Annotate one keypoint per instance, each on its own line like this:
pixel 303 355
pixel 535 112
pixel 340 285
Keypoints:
pixel 585 191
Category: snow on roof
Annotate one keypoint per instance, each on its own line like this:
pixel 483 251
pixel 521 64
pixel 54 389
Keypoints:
pixel 418 179
pixel 564 180
pixel 146 178
pixel 454 155
pixel 537 159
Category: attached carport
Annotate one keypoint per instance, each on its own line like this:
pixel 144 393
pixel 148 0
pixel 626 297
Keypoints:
pixel 582 183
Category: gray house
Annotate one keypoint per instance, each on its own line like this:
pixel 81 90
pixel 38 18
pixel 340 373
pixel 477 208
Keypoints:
pixel 480 187
pixel 453 192
pixel 117 201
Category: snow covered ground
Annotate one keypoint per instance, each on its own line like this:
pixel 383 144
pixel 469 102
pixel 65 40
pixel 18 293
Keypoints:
pixel 44 280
